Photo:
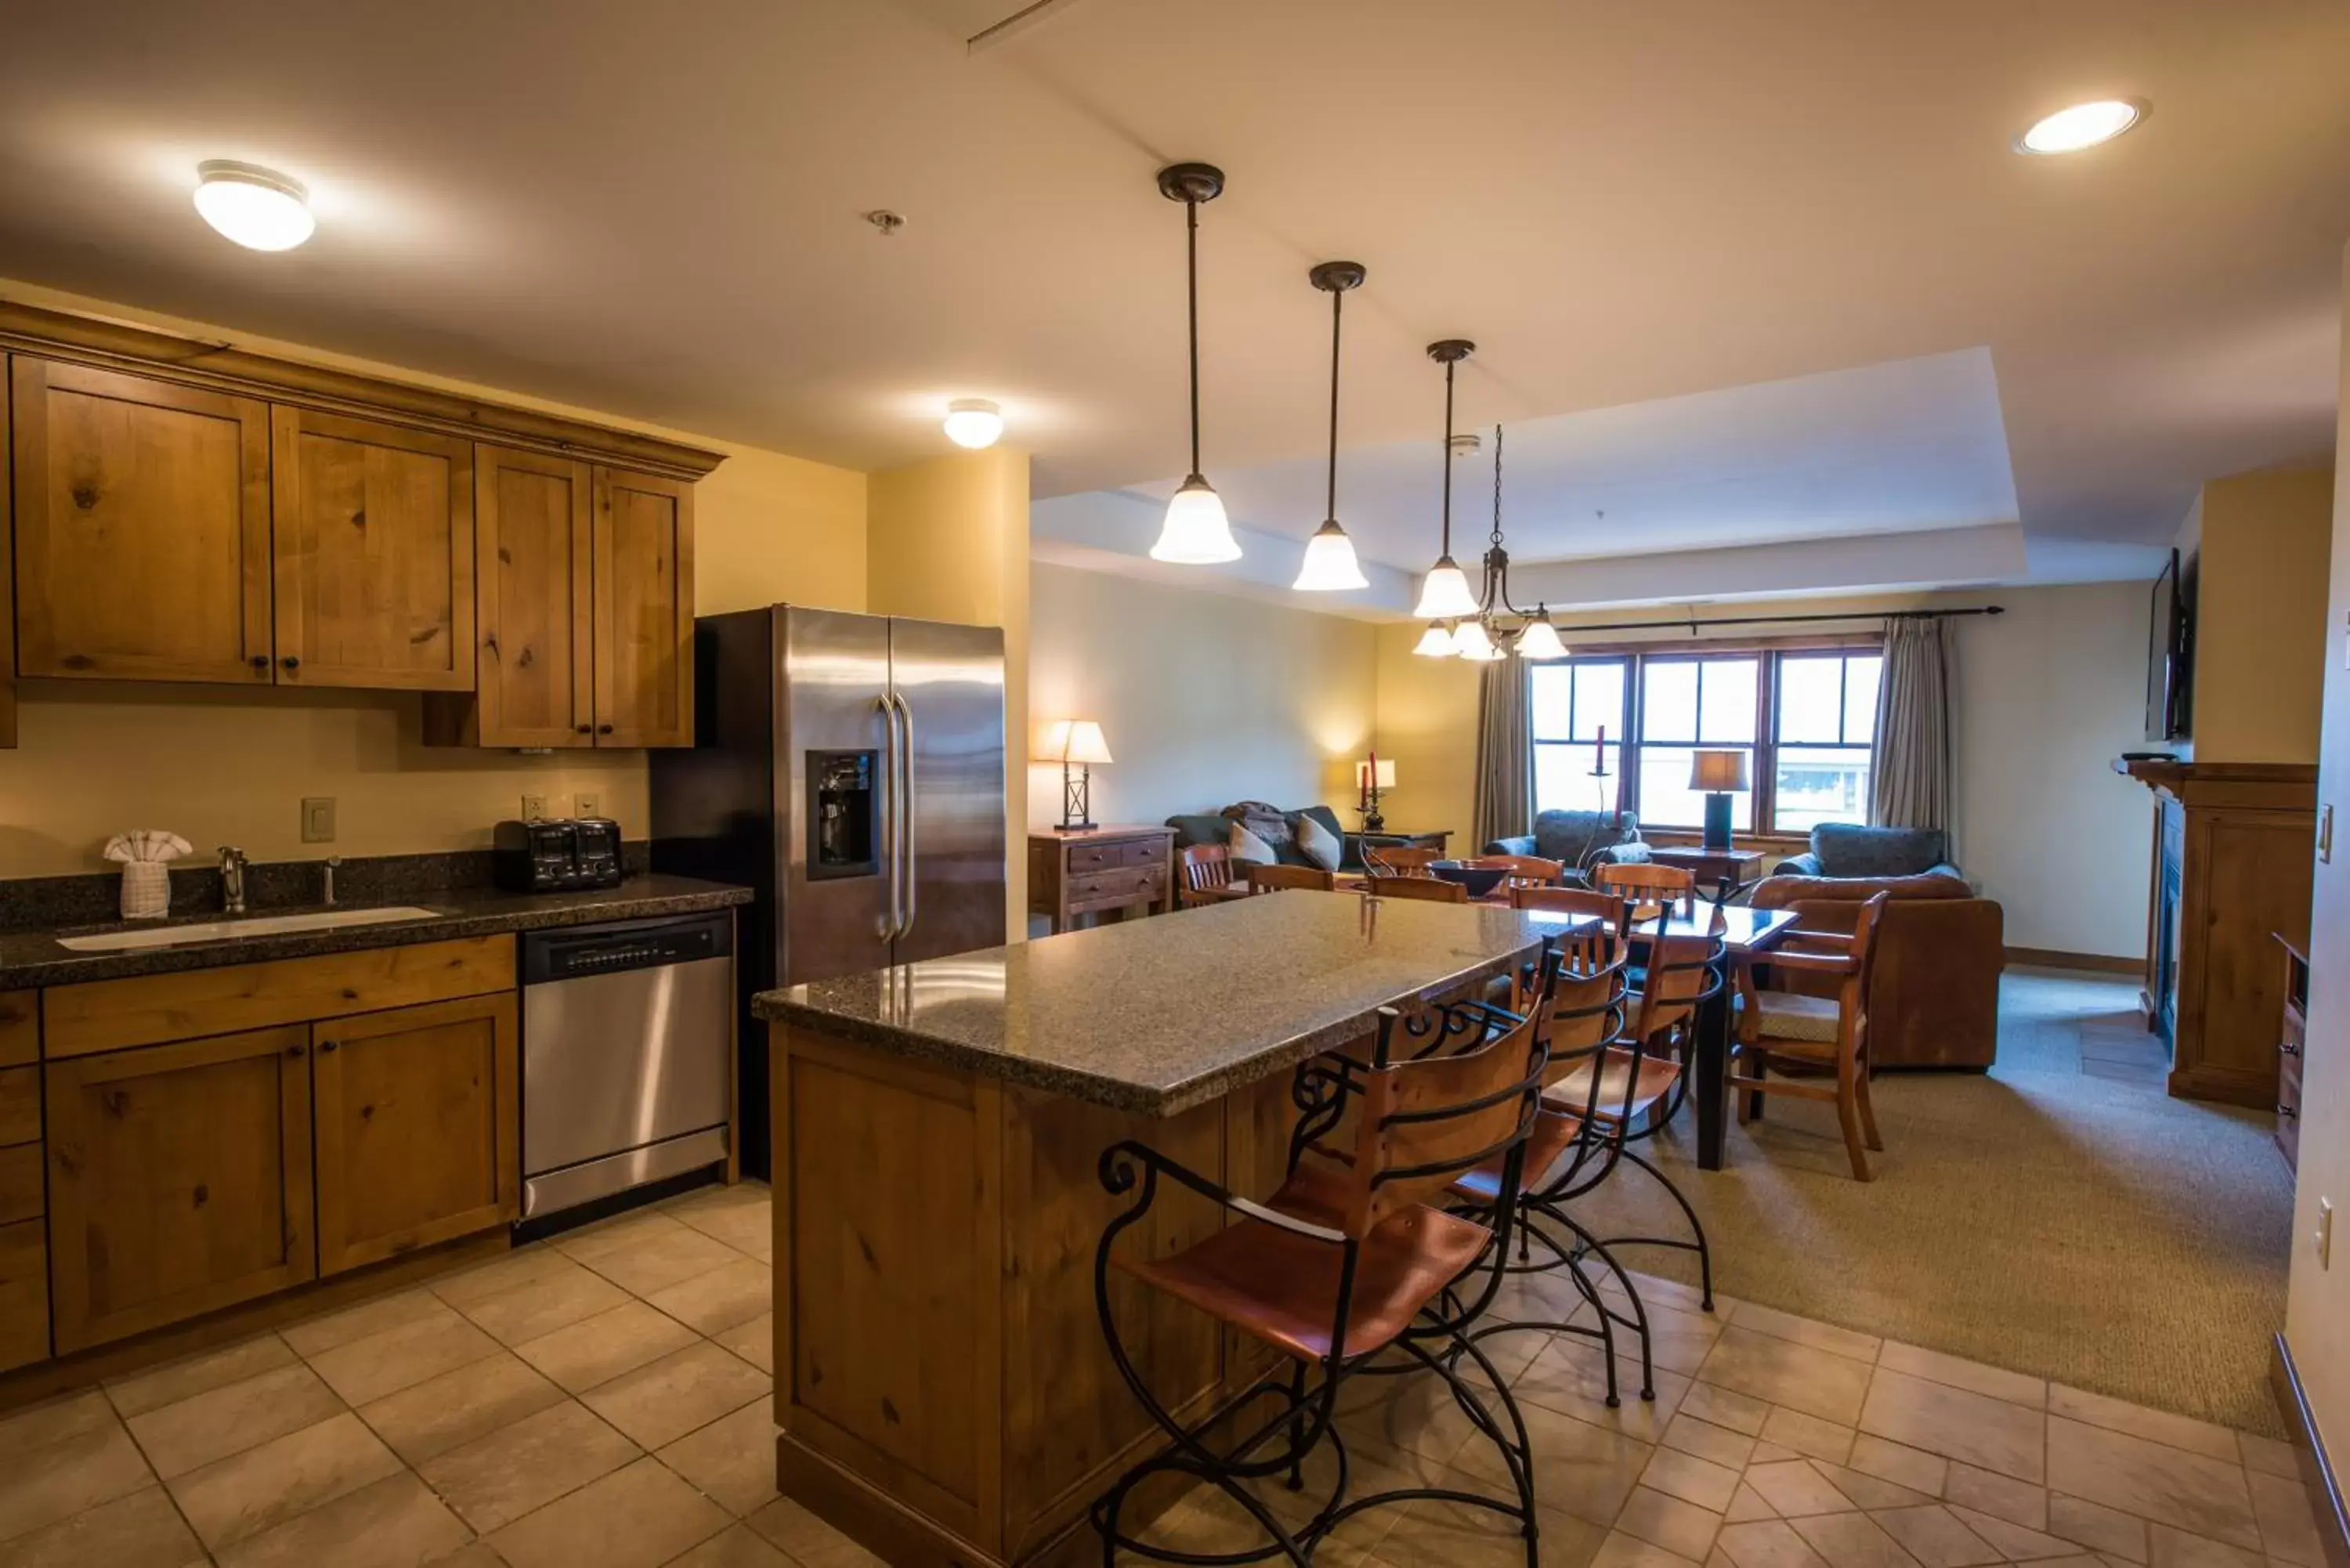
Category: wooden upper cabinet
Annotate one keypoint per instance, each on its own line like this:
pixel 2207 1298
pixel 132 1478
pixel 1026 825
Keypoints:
pixel 374 553
pixel 419 1127
pixel 533 682
pixel 644 610
pixel 142 519
pixel 179 1181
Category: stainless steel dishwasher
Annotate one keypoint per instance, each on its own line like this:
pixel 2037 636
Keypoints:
pixel 627 1046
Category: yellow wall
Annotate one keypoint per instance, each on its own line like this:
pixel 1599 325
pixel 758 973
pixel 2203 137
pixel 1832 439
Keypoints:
pixel 947 540
pixel 1204 699
pixel 230 766
pixel 2259 615
pixel 2319 1303
pixel 2048 695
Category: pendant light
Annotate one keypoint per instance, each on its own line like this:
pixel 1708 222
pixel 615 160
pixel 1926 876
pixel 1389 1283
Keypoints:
pixel 1330 565
pixel 1473 643
pixel 1444 593
pixel 1436 642
pixel 1196 532
pixel 1540 639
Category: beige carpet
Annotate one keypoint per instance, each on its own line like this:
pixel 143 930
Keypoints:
pixel 2061 1216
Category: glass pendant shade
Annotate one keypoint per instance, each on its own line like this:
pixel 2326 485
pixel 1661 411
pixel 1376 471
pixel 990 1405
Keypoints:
pixel 1196 533
pixel 1330 563
pixel 1436 642
pixel 1471 642
pixel 1444 593
pixel 1540 641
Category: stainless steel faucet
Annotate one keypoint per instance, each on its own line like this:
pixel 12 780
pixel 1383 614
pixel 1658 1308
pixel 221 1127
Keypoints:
pixel 232 870
pixel 334 862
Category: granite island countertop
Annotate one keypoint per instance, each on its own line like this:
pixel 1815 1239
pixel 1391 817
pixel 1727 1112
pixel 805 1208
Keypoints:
pixel 35 957
pixel 1156 1017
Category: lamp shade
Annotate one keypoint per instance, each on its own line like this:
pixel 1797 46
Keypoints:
pixel 1719 773
pixel 1444 593
pixel 1074 741
pixel 1196 532
pixel 1385 774
pixel 1330 565
pixel 1436 642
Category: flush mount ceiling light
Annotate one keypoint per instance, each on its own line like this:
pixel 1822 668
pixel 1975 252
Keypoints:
pixel 1330 563
pixel 1196 532
pixel 2083 126
pixel 974 423
pixel 258 208
pixel 1444 592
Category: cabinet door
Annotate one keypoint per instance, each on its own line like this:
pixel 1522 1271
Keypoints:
pixel 537 598
pixel 419 1127
pixel 179 1180
pixel 142 527
pixel 644 610
pixel 374 553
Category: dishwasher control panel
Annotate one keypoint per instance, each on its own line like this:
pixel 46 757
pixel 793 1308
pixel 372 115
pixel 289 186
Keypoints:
pixel 628 945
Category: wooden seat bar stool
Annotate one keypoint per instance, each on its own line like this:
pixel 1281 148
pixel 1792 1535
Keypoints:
pixel 1352 1258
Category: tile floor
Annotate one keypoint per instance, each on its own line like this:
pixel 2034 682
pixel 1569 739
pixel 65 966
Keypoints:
pixel 599 1400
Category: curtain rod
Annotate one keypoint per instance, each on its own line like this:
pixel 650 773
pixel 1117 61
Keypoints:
pixel 1693 623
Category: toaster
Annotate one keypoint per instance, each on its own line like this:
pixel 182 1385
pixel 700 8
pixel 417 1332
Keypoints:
pixel 557 856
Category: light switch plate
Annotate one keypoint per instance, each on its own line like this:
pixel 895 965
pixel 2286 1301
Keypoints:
pixel 586 804
pixel 534 808
pixel 318 819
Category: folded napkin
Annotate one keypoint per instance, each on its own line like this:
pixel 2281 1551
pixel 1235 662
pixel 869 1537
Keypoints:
pixel 146 857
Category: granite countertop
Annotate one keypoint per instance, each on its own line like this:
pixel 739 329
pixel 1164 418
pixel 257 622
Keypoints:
pixel 1156 1017
pixel 35 957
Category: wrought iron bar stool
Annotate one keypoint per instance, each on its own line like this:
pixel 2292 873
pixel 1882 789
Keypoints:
pixel 1350 1260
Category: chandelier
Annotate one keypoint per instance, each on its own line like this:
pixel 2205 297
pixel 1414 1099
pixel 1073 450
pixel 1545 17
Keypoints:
pixel 1491 627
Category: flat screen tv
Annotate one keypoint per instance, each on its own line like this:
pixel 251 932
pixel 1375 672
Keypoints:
pixel 2169 662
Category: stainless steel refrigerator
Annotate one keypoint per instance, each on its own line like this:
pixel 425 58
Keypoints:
pixel 850 769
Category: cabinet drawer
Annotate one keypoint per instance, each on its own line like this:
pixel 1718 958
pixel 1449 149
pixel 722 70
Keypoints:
pixel 20 1183
pixel 20 1027
pixel 108 1014
pixel 23 1293
pixel 1086 858
pixel 1144 852
pixel 20 1106
pixel 1127 884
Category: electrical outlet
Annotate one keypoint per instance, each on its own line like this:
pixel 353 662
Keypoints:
pixel 588 804
pixel 2325 1237
pixel 534 808
pixel 318 819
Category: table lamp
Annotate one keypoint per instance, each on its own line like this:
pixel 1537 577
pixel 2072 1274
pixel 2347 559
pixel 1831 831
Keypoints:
pixel 1076 742
pixel 1371 776
pixel 1720 775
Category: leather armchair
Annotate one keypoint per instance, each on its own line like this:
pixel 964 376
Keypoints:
pixel 1934 986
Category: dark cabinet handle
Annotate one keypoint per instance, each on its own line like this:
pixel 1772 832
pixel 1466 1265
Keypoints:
pixel 261 661
pixel 325 1046
pixel 293 1050
pixel 290 662
pixel 587 729
pixel 603 729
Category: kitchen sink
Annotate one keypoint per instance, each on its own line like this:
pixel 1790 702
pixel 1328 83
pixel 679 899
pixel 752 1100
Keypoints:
pixel 243 927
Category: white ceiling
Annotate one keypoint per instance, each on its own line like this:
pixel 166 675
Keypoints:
pixel 656 211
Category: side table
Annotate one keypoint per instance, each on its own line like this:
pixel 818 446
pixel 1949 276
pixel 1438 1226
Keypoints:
pixel 1727 871
pixel 1129 869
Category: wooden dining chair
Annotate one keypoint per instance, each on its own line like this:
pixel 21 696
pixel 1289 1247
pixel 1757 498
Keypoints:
pixel 1207 871
pixel 1613 908
pixel 1266 879
pixel 1401 860
pixel 1647 884
pixel 1817 1030
pixel 1520 870
pixel 1424 888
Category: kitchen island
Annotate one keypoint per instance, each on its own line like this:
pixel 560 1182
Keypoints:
pixel 941 1380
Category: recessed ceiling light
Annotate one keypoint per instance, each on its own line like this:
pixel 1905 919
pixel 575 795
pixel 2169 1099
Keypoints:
pixel 258 208
pixel 974 423
pixel 2083 126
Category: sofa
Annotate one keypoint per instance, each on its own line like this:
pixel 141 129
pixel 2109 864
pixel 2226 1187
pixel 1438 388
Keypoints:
pixel 1215 827
pixel 1580 839
pixel 1934 984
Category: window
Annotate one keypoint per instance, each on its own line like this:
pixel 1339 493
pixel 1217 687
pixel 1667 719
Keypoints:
pixel 1577 703
pixel 1827 719
pixel 1804 717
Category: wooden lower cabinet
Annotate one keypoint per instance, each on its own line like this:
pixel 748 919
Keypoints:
pixel 23 1293
pixel 179 1180
pixel 419 1127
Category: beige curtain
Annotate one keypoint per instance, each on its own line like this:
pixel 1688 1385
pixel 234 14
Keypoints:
pixel 1911 765
pixel 1506 752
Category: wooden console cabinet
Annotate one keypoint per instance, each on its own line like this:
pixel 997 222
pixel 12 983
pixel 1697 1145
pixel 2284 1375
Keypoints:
pixel 2232 847
pixel 1129 869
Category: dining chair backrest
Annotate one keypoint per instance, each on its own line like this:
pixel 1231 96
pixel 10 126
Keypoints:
pixel 1206 866
pixel 1646 882
pixel 1680 970
pixel 1400 860
pixel 1425 887
pixel 1430 1120
pixel 1588 1006
pixel 1612 907
pixel 1265 879
pixel 1520 870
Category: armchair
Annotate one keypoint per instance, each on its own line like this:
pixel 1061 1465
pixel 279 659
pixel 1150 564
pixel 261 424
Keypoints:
pixel 1579 840
pixel 1848 849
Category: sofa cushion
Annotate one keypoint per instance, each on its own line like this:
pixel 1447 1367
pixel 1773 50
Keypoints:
pixel 1779 892
pixel 1317 843
pixel 1200 827
pixel 1788 1015
pixel 1848 849
pixel 1247 848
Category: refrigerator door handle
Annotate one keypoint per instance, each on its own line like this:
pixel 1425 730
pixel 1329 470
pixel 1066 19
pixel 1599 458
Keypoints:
pixel 909 856
pixel 886 925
